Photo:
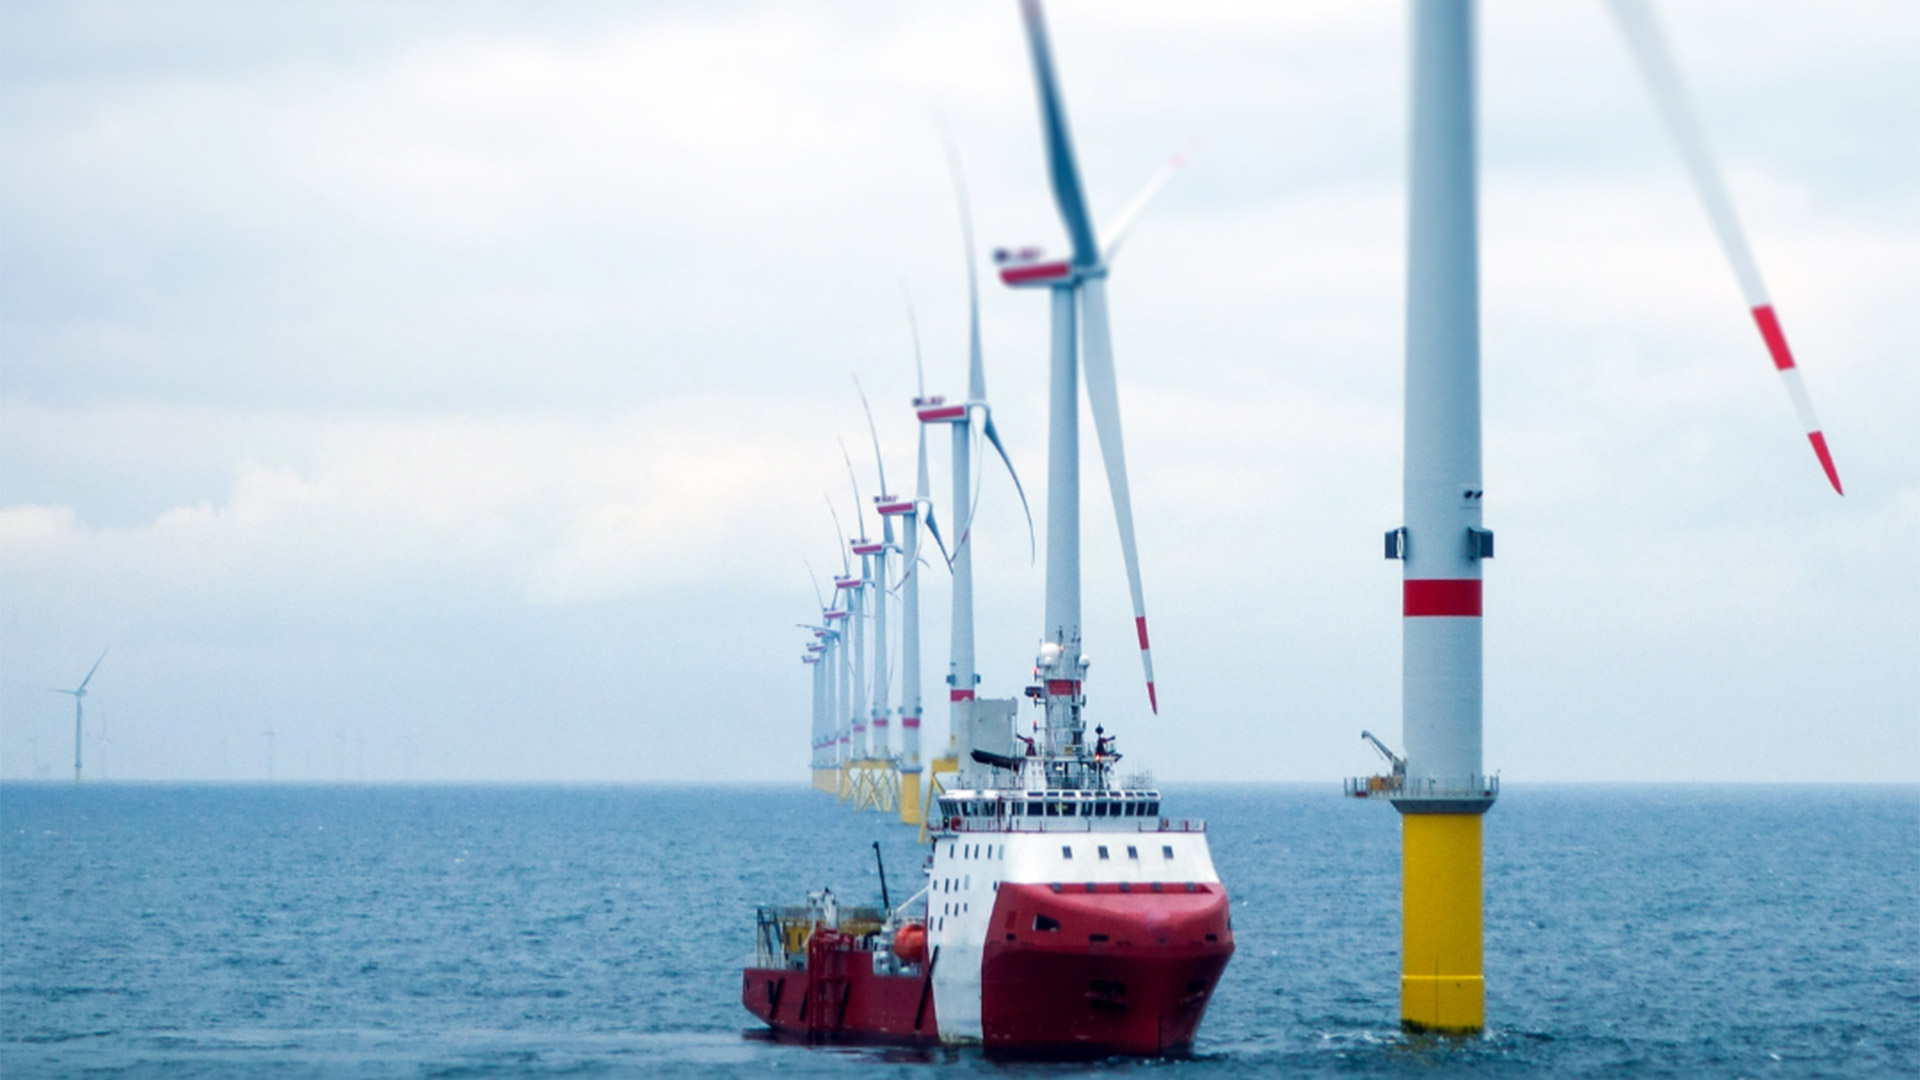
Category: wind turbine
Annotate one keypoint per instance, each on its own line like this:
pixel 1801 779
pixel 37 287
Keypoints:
pixel 1078 287
pixel 971 422
pixel 842 618
pixel 857 613
pixel 79 695
pixel 1442 546
pixel 827 711
pixel 882 748
pixel 911 510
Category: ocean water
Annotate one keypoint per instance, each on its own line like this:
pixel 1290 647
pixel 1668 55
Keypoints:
pixel 499 931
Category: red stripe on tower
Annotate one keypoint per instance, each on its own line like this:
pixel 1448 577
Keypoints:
pixel 1776 340
pixel 1442 596
pixel 960 695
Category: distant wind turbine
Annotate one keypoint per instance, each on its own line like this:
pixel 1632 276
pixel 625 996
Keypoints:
pixel 79 695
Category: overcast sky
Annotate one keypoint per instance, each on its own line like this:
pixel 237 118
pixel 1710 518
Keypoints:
pixel 451 389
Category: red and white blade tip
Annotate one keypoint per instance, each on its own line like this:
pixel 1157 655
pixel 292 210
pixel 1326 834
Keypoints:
pixel 1146 659
pixel 1776 339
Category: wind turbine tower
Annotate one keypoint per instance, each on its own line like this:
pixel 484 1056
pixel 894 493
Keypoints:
pixel 1442 545
pixel 1440 788
pixel 79 695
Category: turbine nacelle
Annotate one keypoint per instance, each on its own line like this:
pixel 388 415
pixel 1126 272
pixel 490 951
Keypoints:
pixel 1027 268
pixel 863 547
pixel 934 412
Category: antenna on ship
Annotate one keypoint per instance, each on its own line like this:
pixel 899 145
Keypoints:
pixel 886 902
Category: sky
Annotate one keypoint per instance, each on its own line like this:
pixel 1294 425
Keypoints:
pixel 455 390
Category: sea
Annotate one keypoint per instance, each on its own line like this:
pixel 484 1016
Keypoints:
pixel 481 931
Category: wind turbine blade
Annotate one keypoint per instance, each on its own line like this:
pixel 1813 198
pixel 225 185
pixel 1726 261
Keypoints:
pixel 91 670
pixel 993 436
pixel 1117 232
pixel 933 527
pixel 1062 168
pixel 1103 399
pixel 976 458
pixel 878 462
pixel 859 521
pixel 922 487
pixel 913 327
pixel 846 566
pixel 1657 66
pixel 922 495
pixel 976 367
pixel 818 596
pixel 58 690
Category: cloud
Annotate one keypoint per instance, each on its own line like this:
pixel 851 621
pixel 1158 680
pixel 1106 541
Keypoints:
pixel 479 372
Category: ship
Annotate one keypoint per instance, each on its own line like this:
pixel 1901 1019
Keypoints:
pixel 1063 914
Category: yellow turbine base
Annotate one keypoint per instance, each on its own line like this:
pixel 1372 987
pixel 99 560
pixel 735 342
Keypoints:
pixel 910 809
pixel 947 765
pixel 1442 988
pixel 827 780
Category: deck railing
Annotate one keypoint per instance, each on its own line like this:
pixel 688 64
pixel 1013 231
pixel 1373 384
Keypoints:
pixel 1070 825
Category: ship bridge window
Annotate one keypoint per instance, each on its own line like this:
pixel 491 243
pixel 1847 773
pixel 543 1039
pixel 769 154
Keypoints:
pixel 1103 851
pixel 1066 851
pixel 1132 852
pixel 1167 850
pixel 1045 922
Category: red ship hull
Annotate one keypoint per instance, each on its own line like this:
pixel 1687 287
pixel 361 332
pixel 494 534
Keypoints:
pixel 863 1007
pixel 838 997
pixel 1113 973
pixel 1081 971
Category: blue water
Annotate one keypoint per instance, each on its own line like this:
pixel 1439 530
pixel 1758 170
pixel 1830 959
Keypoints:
pixel 485 931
